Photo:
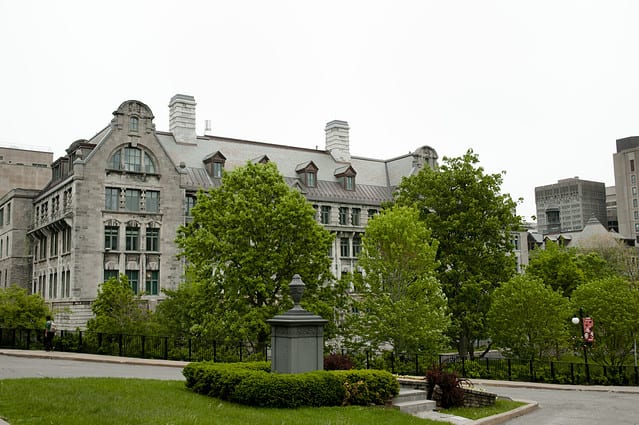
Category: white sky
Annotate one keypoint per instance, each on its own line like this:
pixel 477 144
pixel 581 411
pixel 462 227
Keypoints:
pixel 539 89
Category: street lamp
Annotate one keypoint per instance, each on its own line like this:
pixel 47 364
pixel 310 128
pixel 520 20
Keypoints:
pixel 587 336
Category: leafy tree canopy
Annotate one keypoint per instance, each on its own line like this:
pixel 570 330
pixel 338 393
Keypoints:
pixel 472 220
pixel 18 309
pixel 564 269
pixel 118 310
pixel 528 319
pixel 402 301
pixel 246 241
pixel 613 304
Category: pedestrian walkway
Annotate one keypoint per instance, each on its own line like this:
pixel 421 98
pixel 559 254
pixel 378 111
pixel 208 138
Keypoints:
pixel 61 355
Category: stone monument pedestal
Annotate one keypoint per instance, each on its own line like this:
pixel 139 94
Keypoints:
pixel 297 337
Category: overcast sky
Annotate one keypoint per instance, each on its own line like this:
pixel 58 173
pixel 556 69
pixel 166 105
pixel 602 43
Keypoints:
pixel 538 89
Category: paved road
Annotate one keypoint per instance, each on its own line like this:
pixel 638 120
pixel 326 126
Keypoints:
pixel 570 407
pixel 29 367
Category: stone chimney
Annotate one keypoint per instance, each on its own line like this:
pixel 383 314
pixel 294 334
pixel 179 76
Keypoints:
pixel 337 140
pixel 182 118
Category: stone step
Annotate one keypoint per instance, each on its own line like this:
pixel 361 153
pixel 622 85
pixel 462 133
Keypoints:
pixel 414 407
pixel 410 394
pixel 413 401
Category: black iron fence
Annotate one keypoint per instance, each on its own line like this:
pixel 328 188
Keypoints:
pixel 142 346
pixel 201 349
pixel 557 372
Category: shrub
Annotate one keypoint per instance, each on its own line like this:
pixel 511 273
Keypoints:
pixel 444 387
pixel 336 361
pixel 253 384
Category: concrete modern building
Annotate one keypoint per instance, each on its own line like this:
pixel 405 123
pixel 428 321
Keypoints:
pixel 611 208
pixel 24 169
pixel 566 206
pixel 626 163
pixel 115 201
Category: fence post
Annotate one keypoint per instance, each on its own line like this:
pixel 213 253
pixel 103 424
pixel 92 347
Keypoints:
pixel 463 365
pixel 80 348
pixel 532 372
pixel 392 362
pixel 214 350
pixel 368 354
pixel 190 350
pixel 143 344
pixel 636 375
pixel 572 373
pixel 28 338
pixel 416 364
pixel 240 347
pixel 166 348
pixel 120 343
pixel 552 371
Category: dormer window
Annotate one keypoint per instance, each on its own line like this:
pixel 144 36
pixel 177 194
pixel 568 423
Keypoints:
pixel 133 124
pixel 346 176
pixel 218 167
pixel 214 165
pixel 349 182
pixel 308 173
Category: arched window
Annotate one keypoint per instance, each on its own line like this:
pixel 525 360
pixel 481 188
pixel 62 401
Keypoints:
pixel 149 165
pixel 132 159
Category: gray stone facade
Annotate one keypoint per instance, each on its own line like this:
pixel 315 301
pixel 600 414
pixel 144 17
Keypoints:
pixel 116 200
pixel 15 248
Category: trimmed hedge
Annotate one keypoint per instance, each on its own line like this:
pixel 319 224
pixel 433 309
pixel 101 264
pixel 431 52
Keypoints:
pixel 253 384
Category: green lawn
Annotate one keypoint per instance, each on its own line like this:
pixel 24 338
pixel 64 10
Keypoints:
pixel 109 401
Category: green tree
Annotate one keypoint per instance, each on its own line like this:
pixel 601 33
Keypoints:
pixel 613 304
pixel 528 319
pixel 619 257
pixel 564 269
pixel 246 241
pixel 472 221
pixel 402 301
pixel 18 309
pixel 118 310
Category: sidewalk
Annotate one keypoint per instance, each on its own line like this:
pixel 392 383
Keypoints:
pixel 91 357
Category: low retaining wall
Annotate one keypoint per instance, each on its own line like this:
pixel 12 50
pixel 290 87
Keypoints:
pixel 472 398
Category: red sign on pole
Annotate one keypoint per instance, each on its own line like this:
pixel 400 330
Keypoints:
pixel 589 335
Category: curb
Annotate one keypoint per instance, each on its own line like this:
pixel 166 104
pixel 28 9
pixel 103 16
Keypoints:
pixel 506 416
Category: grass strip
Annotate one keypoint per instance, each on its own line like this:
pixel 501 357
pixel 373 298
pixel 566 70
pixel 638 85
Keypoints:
pixel 500 406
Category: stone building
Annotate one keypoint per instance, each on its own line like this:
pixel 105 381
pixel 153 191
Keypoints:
pixel 115 201
pixel 15 248
pixel 23 173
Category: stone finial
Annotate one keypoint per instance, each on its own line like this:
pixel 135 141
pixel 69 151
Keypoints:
pixel 297 289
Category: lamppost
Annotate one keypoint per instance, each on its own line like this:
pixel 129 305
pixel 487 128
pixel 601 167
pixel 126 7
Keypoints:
pixel 587 336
